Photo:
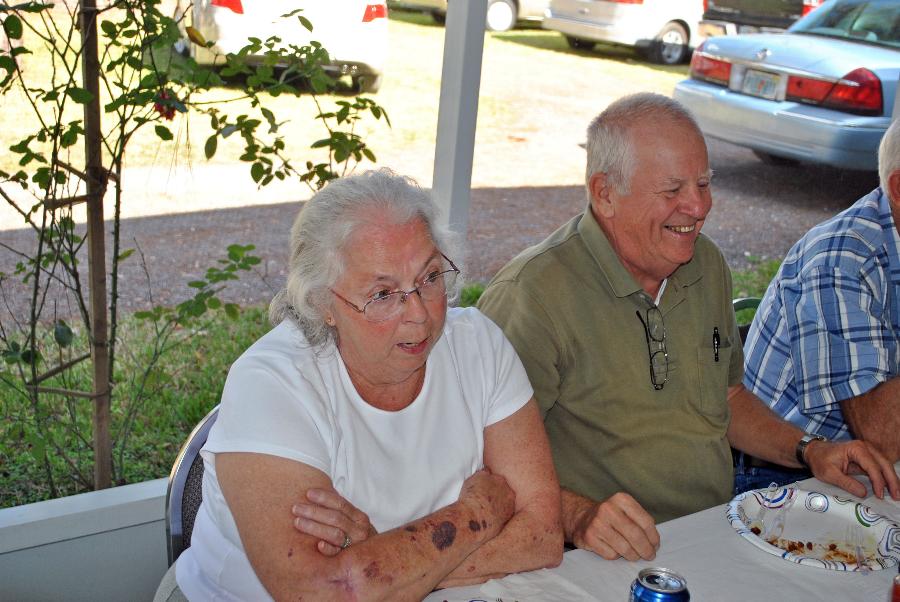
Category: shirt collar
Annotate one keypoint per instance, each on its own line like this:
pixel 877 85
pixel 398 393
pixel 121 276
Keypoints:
pixel 620 280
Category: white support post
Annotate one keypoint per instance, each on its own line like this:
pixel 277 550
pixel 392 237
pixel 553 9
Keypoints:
pixel 458 110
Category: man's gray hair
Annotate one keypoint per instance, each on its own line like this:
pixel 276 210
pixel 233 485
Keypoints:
pixel 609 145
pixel 889 155
pixel 324 226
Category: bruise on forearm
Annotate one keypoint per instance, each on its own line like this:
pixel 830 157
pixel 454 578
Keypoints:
pixel 525 543
pixel 404 563
pixel 443 534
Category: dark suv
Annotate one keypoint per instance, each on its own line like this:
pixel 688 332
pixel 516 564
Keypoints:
pixel 769 14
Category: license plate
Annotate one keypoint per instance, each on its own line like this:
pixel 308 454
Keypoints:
pixel 760 83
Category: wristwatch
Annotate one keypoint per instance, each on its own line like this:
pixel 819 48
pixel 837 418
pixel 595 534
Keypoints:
pixel 801 447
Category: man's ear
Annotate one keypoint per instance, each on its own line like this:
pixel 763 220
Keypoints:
pixel 893 189
pixel 601 202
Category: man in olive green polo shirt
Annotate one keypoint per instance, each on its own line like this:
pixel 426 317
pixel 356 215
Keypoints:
pixel 623 320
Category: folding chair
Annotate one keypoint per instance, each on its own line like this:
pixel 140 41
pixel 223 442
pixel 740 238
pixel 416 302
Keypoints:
pixel 185 493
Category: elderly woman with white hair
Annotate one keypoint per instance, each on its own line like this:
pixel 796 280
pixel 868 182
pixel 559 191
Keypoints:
pixel 399 437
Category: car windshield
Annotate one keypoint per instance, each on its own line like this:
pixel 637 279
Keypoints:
pixel 870 21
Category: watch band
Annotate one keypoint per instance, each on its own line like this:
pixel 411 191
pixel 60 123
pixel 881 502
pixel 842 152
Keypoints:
pixel 801 447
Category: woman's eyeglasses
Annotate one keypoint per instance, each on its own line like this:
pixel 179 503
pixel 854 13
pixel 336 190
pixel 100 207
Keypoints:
pixel 655 331
pixel 386 305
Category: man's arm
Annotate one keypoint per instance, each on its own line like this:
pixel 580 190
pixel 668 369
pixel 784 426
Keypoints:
pixel 757 430
pixel 616 527
pixel 517 449
pixel 404 563
pixel 874 416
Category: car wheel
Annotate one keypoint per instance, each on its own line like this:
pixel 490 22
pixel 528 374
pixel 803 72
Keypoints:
pixel 579 44
pixel 439 17
pixel 670 46
pixel 501 15
pixel 367 84
pixel 775 160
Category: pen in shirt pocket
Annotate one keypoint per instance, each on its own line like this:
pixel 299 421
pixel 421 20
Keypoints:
pixel 716 343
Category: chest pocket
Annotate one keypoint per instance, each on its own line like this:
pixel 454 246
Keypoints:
pixel 712 398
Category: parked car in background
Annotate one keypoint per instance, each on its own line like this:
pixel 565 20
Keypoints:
pixel 663 30
pixel 354 32
pixel 823 91
pixel 749 16
pixel 502 15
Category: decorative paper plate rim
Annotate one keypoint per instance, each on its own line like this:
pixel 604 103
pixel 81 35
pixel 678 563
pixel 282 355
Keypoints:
pixel 888 545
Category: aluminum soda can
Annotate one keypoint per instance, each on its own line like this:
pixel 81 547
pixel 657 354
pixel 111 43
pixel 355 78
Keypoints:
pixel 659 585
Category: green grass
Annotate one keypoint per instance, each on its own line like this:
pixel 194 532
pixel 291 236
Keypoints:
pixel 186 386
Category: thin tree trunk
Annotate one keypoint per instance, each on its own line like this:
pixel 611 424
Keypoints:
pixel 96 187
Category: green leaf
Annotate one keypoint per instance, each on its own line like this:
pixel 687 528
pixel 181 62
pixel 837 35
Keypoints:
pixel 197 283
pixel 124 255
pixel 257 171
pixel 80 95
pixel 108 28
pixel 305 22
pixel 30 355
pixel 163 132
pixel 210 147
pixel 232 311
pixel 144 315
pixel 62 334
pixel 12 25
pixel 213 303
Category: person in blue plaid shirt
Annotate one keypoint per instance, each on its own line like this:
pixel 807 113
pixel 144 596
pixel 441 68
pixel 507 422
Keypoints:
pixel 824 347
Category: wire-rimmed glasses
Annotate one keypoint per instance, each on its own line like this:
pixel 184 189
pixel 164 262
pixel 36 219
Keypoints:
pixel 655 332
pixel 386 305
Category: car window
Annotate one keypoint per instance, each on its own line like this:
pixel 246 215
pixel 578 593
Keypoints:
pixel 870 21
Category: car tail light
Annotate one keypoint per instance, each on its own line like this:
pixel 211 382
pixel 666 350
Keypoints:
pixel 374 11
pixel 857 92
pixel 810 5
pixel 709 69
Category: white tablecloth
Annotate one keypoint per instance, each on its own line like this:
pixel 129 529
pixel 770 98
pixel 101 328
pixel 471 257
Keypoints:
pixel 718 564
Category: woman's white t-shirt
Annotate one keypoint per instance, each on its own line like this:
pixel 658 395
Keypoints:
pixel 285 398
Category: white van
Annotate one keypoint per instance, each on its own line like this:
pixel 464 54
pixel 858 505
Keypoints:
pixel 664 30
pixel 354 32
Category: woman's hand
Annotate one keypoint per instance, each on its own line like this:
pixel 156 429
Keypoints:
pixel 491 499
pixel 332 519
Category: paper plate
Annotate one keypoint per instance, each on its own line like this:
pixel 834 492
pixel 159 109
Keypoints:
pixel 817 528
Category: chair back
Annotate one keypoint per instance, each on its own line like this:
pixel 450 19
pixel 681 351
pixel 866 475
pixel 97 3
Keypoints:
pixel 742 303
pixel 185 491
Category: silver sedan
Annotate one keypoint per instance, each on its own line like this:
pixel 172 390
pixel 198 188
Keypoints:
pixel 822 92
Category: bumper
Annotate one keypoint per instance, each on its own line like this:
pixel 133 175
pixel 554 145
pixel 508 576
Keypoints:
pixel 620 32
pixel 785 129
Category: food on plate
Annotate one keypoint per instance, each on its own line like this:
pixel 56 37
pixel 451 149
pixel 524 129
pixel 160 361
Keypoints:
pixel 836 551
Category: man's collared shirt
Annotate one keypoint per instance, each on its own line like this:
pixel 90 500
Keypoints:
pixel 570 309
pixel 827 327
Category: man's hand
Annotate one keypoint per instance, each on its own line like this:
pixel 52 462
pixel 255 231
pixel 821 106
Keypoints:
pixel 833 462
pixel 617 527
pixel 331 518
